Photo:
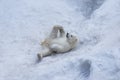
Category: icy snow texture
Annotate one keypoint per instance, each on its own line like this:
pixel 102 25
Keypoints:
pixel 24 23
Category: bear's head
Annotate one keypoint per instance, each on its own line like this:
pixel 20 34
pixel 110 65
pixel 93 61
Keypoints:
pixel 73 40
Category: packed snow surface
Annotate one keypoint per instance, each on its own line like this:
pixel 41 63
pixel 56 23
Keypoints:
pixel 24 23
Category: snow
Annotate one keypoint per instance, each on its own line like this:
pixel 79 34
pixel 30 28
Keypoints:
pixel 24 23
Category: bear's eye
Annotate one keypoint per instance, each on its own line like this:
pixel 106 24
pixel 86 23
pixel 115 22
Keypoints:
pixel 71 35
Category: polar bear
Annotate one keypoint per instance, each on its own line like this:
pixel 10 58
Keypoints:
pixel 57 42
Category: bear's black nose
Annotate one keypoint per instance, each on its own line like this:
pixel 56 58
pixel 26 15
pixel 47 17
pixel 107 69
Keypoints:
pixel 67 35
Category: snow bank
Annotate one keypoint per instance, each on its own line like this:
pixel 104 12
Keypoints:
pixel 24 23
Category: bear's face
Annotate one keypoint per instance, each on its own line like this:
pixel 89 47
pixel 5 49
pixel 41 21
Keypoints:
pixel 72 39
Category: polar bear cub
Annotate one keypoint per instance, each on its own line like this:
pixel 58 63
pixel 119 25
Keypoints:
pixel 57 42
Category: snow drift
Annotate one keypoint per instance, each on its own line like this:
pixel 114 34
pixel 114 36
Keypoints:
pixel 24 23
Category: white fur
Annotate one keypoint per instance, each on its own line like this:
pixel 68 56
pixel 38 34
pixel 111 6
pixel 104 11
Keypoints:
pixel 57 44
pixel 60 45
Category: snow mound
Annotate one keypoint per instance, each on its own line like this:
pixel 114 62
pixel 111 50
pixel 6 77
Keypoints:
pixel 24 23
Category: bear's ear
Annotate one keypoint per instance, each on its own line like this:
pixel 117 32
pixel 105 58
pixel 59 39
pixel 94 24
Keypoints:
pixel 67 35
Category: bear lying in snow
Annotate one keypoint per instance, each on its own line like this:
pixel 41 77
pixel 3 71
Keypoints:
pixel 57 42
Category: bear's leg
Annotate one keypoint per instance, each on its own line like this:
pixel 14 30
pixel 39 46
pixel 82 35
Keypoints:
pixel 54 33
pixel 62 32
pixel 44 53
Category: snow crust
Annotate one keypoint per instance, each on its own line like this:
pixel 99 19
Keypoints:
pixel 24 23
